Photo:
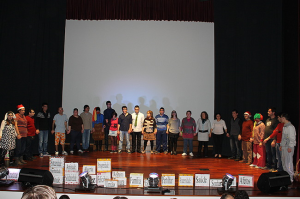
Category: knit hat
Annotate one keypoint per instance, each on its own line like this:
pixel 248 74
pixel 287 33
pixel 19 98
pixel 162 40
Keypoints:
pixel 248 113
pixel 20 107
pixel 258 116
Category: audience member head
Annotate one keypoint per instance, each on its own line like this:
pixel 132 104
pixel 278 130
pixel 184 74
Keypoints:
pixel 64 197
pixel 173 114
pixel 204 115
pixel 39 192
pixel 226 196
pixel 241 194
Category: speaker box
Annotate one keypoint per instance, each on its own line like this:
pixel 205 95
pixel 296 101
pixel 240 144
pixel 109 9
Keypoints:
pixel 31 177
pixel 271 182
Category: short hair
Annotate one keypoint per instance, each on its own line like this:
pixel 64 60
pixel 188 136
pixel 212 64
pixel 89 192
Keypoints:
pixel 75 109
pixel 234 110
pixel 124 107
pixel 226 196
pixel 136 106
pixel 286 116
pixel 97 108
pixel 189 112
pixel 162 108
pixel 44 103
pixel 64 197
pixel 273 109
pixel 108 102
pixel 86 106
pixel 30 110
pixel 241 194
pixel 218 114
pixel 206 115
pixel 114 114
pixel 39 192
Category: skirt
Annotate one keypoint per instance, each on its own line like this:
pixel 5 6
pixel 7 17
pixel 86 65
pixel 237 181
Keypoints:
pixel 99 133
pixel 149 136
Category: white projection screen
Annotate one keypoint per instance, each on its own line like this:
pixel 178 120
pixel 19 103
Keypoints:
pixel 152 64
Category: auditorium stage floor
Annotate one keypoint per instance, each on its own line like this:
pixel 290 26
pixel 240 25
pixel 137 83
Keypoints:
pixel 161 163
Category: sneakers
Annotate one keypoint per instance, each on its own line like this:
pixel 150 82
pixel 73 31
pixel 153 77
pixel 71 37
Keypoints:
pixel 80 151
pixel 143 151
pixel 56 152
pixel 71 152
pixel 171 152
pixel 191 154
pixel 41 155
pixel 156 152
pixel 184 154
pixel 230 158
pixel 46 154
pixel 64 153
pixel 112 151
pixel 252 165
pixel 257 167
pixel 152 152
pixel 128 151
pixel 175 153
pixel 119 151
pixel 165 152
pixel 115 151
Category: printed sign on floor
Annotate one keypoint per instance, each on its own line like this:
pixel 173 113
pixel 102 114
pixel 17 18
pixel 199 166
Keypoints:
pixel 136 180
pixel 186 180
pixel 215 182
pixel 91 169
pixel 118 174
pixel 202 180
pixel 246 181
pixel 101 177
pixel 72 177
pixel 167 180
pixel 103 165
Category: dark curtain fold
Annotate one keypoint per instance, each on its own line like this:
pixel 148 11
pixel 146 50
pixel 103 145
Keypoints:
pixel 157 10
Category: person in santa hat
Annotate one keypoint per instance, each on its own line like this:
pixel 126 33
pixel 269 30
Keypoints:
pixel 259 149
pixel 21 143
pixel 247 128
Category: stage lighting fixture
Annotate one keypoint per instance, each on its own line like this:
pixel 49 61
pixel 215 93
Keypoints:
pixel 4 173
pixel 226 184
pixel 86 182
pixel 153 184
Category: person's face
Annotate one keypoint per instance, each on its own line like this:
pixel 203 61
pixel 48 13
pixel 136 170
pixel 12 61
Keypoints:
pixel 10 116
pixel 246 116
pixel 60 110
pixel 114 117
pixel 162 111
pixel 257 120
pixel 148 115
pixel 270 113
pixel 75 113
pixel 174 114
pixel 98 111
pixel 22 111
pixel 108 105
pixel 234 114
pixel 218 117
pixel 188 114
pixel 87 109
pixel 45 108
pixel 124 110
pixel 31 113
pixel 202 115
pixel 283 120
pixel 136 109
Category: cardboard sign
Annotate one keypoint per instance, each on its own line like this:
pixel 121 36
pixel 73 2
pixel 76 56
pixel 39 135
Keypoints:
pixel 121 181
pixel 73 166
pixel 246 181
pixel 91 169
pixel 57 161
pixel 111 184
pixel 103 165
pixel 146 182
pixel 168 180
pixel 136 180
pixel 202 180
pixel 58 179
pixel 94 179
pixel 13 174
pixel 215 182
pixel 72 177
pixel 101 177
pixel 186 180
pixel 118 174
pixel 57 171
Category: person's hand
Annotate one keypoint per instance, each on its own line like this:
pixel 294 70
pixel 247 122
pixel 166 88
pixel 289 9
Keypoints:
pixel 52 131
pixel 0 138
pixel 227 134
pixel 280 148
pixel 273 144
pixel 93 130
pixel 37 131
pixel 209 135
pixel 195 134
pixel 251 140
pixel 104 126
pixel 167 132
pixel 118 132
pixel 239 137
pixel 266 140
pixel 289 150
pixel 19 136
pixel 130 130
pixel 82 131
pixel 260 144
pixel 155 132
pixel 102 130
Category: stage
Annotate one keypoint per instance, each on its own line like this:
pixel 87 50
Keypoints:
pixel 159 163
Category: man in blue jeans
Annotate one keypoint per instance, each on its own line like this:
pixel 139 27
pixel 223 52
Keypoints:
pixel 124 129
pixel 161 136
pixel 86 117
pixel 235 131
pixel 43 125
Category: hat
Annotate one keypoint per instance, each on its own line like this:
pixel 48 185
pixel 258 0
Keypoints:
pixel 258 116
pixel 248 113
pixel 20 106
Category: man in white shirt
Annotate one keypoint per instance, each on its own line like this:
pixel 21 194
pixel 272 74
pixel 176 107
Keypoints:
pixel 60 121
pixel 137 126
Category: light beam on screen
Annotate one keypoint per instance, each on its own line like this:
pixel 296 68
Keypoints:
pixel 151 64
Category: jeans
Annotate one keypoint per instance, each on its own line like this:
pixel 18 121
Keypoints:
pixel 136 141
pixel 75 138
pixel 235 146
pixel 161 138
pixel 28 150
pixel 185 143
pixel 270 155
pixel 122 133
pixel 278 156
pixel 43 141
pixel 20 147
pixel 86 139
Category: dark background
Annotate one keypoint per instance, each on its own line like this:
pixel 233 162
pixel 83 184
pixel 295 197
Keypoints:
pixel 256 54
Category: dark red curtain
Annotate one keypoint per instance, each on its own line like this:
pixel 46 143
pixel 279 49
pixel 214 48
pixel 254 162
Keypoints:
pixel 157 10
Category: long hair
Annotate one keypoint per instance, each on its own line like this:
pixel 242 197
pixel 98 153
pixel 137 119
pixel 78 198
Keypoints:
pixel 112 115
pixel 206 115
pixel 172 114
pixel 12 121
pixel 151 114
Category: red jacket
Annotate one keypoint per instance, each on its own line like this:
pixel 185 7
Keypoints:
pixel 30 126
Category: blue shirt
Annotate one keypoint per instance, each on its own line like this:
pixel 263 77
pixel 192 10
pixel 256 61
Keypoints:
pixel 60 123
pixel 100 119
pixel 161 122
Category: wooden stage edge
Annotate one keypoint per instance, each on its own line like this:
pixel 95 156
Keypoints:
pixel 161 164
